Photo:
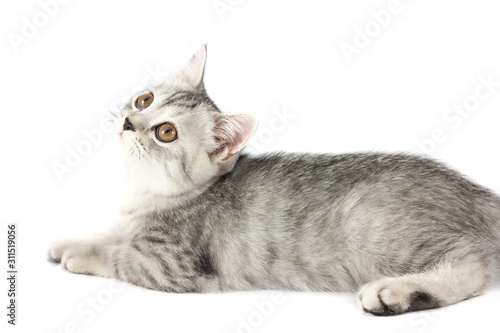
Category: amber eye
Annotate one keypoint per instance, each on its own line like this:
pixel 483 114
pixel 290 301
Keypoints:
pixel 144 101
pixel 166 132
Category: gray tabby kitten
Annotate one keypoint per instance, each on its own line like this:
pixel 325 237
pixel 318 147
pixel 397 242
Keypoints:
pixel 406 232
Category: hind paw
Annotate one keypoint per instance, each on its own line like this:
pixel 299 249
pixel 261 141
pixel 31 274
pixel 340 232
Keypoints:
pixel 394 296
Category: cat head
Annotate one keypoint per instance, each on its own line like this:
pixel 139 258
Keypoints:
pixel 174 138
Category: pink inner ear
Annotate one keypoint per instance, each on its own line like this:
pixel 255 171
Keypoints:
pixel 235 132
pixel 248 124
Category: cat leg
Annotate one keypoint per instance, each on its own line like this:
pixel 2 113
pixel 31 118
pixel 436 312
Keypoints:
pixel 444 284
pixel 57 249
pixel 136 262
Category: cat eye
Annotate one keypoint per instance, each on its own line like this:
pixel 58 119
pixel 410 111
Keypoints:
pixel 144 101
pixel 166 132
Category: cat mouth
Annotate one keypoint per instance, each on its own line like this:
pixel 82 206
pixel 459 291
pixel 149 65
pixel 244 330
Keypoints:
pixel 135 145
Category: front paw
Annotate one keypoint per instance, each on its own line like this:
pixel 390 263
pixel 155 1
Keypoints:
pixel 87 259
pixel 57 249
pixel 78 259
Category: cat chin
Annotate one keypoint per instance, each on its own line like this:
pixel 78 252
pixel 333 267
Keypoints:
pixel 121 146
pixel 150 176
pixel 119 139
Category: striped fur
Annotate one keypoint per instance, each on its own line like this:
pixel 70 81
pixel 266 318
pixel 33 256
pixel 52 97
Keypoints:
pixel 406 232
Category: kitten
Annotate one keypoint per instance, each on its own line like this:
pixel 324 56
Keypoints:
pixel 406 232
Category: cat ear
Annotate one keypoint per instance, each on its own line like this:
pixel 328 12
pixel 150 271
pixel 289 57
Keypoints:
pixel 232 133
pixel 193 71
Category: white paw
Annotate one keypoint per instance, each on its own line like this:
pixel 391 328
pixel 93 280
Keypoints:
pixel 393 296
pixel 77 259
pixel 57 249
pixel 86 259
pixel 384 298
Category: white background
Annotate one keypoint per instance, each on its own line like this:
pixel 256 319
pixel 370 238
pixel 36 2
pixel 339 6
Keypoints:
pixel 264 57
